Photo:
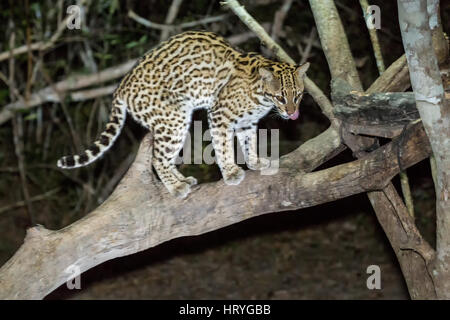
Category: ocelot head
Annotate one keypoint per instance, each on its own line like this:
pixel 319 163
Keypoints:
pixel 283 85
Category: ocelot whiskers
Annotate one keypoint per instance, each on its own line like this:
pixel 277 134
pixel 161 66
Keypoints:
pixel 199 70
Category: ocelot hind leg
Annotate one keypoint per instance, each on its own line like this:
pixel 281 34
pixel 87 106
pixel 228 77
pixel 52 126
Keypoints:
pixel 168 142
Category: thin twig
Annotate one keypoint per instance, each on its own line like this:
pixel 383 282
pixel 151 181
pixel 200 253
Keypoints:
pixel 406 191
pixel 277 25
pixel 41 45
pixel 170 18
pixel 354 15
pixel 404 181
pixel 18 148
pixel 244 37
pixel 17 125
pixel 29 55
pixel 91 120
pixel 148 23
pixel 73 132
pixel 32 199
pixel 49 94
pixel 305 53
pixel 87 56
pixel 48 134
pixel 66 173
pixel 278 20
pixel 374 39
pixel 10 86
pixel 173 28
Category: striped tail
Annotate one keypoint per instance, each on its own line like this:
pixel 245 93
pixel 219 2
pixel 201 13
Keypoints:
pixel 106 140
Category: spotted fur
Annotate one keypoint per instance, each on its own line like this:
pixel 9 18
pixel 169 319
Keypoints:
pixel 196 70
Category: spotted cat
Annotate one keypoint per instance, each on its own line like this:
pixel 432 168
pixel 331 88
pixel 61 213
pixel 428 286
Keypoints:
pixel 196 70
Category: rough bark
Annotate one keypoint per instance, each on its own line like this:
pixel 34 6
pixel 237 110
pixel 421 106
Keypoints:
pixel 395 78
pixel 376 114
pixel 388 108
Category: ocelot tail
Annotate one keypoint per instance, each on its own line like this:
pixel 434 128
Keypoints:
pixel 196 70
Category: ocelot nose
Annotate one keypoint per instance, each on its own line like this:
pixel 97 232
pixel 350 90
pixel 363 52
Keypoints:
pixel 293 115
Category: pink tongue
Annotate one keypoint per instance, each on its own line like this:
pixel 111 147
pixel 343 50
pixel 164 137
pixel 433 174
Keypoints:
pixel 294 116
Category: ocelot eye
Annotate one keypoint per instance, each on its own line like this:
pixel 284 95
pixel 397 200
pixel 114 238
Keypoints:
pixel 297 98
pixel 281 99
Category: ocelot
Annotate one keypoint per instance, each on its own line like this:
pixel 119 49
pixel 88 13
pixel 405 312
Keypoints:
pixel 196 70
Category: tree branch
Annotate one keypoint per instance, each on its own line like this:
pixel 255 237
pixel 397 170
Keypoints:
pixel 54 92
pixel 175 28
pixel 333 40
pixel 141 214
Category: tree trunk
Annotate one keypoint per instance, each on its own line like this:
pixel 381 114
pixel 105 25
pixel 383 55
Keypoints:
pixel 434 109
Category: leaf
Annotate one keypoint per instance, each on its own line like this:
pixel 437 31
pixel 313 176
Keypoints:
pixel 131 44
pixel 113 7
pixel 143 39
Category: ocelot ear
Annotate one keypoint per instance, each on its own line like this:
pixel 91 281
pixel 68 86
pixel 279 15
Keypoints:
pixel 301 70
pixel 266 75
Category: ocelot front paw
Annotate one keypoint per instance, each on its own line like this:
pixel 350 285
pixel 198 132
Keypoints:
pixel 259 164
pixel 233 175
pixel 180 189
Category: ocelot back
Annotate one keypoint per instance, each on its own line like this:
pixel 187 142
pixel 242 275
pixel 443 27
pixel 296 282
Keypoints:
pixel 199 70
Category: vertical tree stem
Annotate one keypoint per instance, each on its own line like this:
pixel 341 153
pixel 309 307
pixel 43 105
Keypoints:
pixel 374 39
pixel 404 181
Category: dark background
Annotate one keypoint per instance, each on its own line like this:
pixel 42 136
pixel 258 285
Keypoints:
pixel 320 252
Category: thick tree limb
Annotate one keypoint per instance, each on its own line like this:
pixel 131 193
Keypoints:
pixel 388 108
pixel 141 214
pixel 415 260
pixel 333 39
pixel 376 114
pixel 395 78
